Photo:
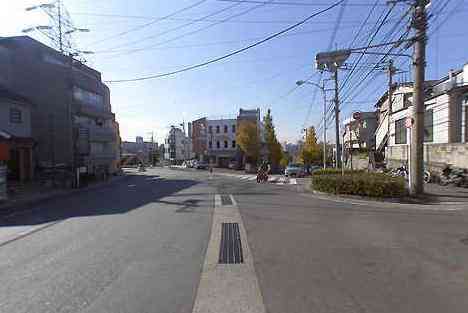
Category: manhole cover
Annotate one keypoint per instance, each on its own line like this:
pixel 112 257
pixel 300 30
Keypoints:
pixel 464 241
pixel 230 250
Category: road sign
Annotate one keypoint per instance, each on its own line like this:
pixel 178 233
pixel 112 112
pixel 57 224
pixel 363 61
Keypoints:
pixel 409 122
pixel 357 115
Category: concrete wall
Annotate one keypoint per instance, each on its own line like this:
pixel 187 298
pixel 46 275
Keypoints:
pixel 436 156
pixel 22 129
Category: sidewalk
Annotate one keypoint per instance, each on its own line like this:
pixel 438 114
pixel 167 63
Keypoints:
pixel 34 194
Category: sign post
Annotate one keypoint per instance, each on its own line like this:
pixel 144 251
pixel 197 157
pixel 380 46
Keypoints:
pixel 409 124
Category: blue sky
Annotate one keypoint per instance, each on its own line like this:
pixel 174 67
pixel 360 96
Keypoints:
pixel 261 77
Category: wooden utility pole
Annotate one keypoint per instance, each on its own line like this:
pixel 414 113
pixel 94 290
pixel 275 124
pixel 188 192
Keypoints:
pixel 417 130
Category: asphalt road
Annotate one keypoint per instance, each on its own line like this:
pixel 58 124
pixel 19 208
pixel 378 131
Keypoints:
pixel 314 255
pixel 135 246
pixel 139 245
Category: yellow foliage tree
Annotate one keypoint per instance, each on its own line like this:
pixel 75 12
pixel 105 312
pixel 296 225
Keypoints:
pixel 310 151
pixel 248 140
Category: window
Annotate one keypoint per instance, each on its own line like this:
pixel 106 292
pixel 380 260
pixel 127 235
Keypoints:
pixel 210 129
pixel 210 145
pixel 233 128
pixel 225 144
pixel 15 116
pixel 90 98
pixel 233 143
pixel 225 128
pixel 218 145
pixel 429 125
pixel 400 131
pixel 217 129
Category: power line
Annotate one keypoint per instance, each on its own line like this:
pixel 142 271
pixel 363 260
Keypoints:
pixel 330 45
pixel 364 23
pixel 289 3
pixel 156 20
pixel 198 30
pixel 232 53
pixel 348 77
pixel 175 28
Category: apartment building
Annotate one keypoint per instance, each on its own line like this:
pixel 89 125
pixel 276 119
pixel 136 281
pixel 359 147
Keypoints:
pixel 72 122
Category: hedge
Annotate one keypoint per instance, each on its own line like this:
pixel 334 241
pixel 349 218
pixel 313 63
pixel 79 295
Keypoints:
pixel 375 185
pixel 331 171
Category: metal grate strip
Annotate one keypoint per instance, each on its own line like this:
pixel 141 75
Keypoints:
pixel 230 251
pixel 226 200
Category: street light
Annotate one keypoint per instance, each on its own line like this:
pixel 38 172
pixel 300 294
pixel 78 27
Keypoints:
pixel 322 88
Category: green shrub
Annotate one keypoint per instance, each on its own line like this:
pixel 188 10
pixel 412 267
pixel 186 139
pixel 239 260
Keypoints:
pixel 331 171
pixel 375 185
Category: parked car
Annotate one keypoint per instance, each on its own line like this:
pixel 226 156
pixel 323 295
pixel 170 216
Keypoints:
pixel 234 165
pixel 294 170
pixel 201 165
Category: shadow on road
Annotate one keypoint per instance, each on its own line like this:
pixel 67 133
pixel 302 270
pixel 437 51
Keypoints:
pixel 116 198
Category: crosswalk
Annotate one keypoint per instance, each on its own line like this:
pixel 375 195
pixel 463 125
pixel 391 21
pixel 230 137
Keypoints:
pixel 273 179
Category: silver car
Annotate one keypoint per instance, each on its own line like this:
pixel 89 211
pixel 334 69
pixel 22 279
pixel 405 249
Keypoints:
pixel 294 170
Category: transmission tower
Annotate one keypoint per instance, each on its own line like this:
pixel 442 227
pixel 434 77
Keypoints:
pixel 60 29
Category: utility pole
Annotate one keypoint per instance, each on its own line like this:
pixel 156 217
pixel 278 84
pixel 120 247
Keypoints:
pixel 59 13
pixel 324 126
pixel 337 119
pixel 417 130
pixel 391 72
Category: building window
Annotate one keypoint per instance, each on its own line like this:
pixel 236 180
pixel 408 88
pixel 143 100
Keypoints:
pixel 225 128
pixel 233 143
pixel 225 144
pixel 429 125
pixel 89 98
pixel 210 145
pixel 217 129
pixel 400 131
pixel 210 129
pixel 233 128
pixel 218 145
pixel 15 116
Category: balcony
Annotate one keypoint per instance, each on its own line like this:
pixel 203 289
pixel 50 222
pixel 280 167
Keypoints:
pixel 93 111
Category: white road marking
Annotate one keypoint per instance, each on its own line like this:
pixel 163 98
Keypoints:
pixel 228 288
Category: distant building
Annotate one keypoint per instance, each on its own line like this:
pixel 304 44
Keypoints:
pixel 360 133
pixel 214 140
pixel 177 146
pixel 138 151
pixel 222 146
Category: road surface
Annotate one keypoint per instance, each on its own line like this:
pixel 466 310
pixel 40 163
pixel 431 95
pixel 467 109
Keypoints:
pixel 140 245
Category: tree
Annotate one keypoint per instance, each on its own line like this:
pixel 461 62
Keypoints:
pixel 275 151
pixel 311 150
pixel 248 140
pixel 285 160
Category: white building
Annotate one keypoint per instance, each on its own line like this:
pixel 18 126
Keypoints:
pixel 221 141
pixel 445 126
pixel 178 146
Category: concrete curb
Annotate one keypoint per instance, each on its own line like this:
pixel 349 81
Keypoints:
pixel 379 201
pixel 7 208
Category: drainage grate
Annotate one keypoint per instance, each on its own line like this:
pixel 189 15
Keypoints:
pixel 230 250
pixel 226 200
